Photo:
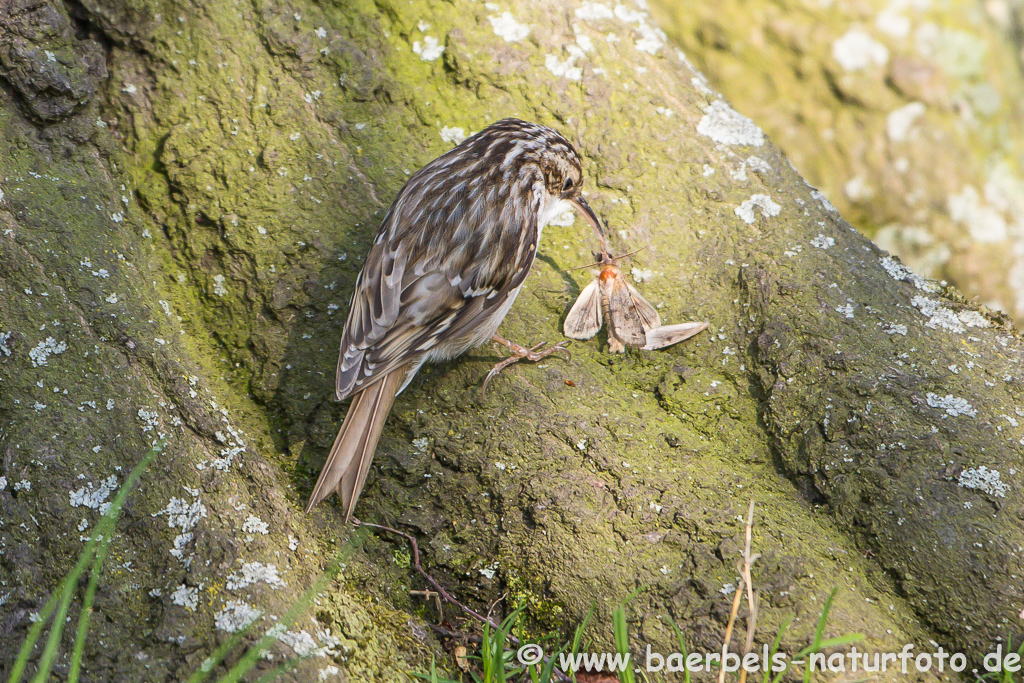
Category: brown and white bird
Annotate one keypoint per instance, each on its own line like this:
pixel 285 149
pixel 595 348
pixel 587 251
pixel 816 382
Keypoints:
pixel 449 260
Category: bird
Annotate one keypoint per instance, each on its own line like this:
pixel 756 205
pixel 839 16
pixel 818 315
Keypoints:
pixel 450 257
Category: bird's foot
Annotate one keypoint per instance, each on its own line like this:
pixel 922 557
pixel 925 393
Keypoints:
pixel 521 352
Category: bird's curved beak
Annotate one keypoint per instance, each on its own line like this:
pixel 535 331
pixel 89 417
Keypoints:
pixel 580 204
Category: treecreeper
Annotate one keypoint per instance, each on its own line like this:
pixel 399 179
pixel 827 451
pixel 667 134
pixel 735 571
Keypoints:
pixel 448 261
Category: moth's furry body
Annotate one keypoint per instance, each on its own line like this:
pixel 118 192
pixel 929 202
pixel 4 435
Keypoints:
pixel 451 255
pixel 632 321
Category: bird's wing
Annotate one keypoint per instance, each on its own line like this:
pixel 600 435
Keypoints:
pixel 413 295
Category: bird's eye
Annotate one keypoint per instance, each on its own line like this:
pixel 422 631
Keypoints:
pixel 568 185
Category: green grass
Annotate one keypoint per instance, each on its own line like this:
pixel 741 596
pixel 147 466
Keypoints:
pixel 92 559
pixel 1002 675
pixel 93 556
pixel 498 664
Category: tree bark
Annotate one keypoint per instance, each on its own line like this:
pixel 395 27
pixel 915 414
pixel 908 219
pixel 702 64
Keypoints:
pixel 906 115
pixel 186 224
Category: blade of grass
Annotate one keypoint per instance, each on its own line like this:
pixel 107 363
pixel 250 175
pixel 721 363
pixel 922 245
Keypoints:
pixel 252 655
pixel 682 649
pixel 775 648
pixel 21 661
pixel 86 614
pixel 578 636
pixel 486 657
pixel 549 667
pixel 66 589
pixel 621 633
pixel 206 668
pixel 817 643
pixel 284 667
pixel 498 645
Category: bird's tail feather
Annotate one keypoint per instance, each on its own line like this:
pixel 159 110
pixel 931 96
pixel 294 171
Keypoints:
pixel 350 457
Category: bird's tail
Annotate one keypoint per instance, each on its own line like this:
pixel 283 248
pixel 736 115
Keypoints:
pixel 349 461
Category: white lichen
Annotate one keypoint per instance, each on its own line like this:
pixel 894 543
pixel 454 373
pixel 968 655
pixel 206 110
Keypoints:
pixel 429 50
pixel 892 23
pixel 856 50
pixel 186 596
pixel 651 39
pixel 823 200
pixel 453 135
pixel 218 285
pixel 235 616
pixel 940 317
pixel 565 68
pixel 642 274
pixel 508 28
pixel 858 189
pixel 255 525
pixel 758 165
pixel 725 125
pixel 984 479
pixel 899 122
pixel 898 271
pixel 42 351
pixel 823 242
pixel 181 514
pixel 150 419
pixel 758 201
pixel 302 643
pixel 953 405
pixel 594 11
pixel 564 220
pixel 255 572
pixel 94 497
pixel 984 223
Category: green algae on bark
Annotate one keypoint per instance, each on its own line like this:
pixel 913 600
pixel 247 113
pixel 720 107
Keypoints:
pixel 262 144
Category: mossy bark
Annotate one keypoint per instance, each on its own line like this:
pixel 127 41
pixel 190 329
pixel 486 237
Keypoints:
pixel 906 114
pixel 190 230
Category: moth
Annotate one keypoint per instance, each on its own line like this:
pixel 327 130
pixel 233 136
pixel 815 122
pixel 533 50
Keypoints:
pixel 632 321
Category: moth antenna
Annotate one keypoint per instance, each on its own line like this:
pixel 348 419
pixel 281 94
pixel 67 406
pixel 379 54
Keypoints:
pixel 606 258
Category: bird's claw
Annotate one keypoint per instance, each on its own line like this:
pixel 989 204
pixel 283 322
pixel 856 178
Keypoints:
pixel 521 352
pixel 532 354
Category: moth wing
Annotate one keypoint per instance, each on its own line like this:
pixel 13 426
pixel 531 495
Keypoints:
pixel 584 318
pixel 667 335
pixel 624 321
pixel 649 317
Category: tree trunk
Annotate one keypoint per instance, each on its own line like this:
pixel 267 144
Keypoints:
pixel 187 195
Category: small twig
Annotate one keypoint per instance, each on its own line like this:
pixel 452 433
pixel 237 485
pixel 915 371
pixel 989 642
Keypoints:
pixel 748 560
pixel 427 594
pixel 455 635
pixel 416 565
pixel 728 628
pixel 495 604
pixel 446 595
pixel 745 585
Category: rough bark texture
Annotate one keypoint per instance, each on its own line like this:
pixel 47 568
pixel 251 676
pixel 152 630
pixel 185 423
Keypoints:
pixel 186 225
pixel 860 95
